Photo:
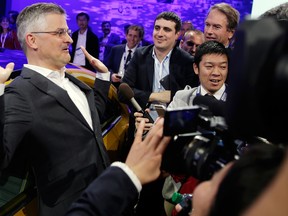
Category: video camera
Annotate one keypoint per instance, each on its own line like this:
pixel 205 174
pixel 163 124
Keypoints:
pixel 201 143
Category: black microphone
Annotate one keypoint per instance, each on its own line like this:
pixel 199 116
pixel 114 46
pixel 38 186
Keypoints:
pixel 128 93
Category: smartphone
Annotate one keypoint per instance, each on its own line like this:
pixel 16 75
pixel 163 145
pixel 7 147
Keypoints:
pixel 160 109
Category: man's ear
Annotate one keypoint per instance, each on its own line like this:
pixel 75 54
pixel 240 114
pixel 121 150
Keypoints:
pixel 231 34
pixel 196 69
pixel 31 41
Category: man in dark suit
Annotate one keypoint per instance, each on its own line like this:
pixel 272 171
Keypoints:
pixel 155 73
pixel 119 58
pixel 107 41
pixel 84 37
pixel 50 115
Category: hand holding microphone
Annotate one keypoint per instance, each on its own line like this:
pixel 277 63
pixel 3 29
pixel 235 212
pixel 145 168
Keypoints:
pixel 128 93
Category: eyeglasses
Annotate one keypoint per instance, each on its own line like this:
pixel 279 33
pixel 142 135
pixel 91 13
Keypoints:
pixel 59 32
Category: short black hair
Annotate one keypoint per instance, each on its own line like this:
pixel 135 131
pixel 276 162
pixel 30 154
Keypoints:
pixel 83 14
pixel 171 16
pixel 247 178
pixel 105 22
pixel 279 12
pixel 209 47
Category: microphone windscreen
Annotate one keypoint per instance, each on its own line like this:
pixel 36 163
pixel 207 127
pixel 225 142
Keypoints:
pixel 126 91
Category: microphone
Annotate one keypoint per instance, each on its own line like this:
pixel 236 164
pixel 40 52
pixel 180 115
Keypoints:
pixel 128 93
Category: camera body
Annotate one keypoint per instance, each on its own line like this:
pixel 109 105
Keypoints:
pixel 201 143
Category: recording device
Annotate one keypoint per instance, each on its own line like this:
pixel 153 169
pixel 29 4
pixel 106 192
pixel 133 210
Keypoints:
pixel 201 143
pixel 128 93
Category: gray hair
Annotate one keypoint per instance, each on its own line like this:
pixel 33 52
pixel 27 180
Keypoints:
pixel 32 17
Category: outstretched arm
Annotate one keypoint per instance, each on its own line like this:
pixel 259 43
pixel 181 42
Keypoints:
pixel 114 190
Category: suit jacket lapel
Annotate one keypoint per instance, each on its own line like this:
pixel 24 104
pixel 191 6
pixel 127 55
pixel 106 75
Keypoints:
pixel 90 98
pixel 57 92
pixel 150 69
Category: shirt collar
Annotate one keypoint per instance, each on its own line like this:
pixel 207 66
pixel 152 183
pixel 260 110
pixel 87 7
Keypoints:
pixel 47 72
pixel 217 94
pixel 133 49
pixel 84 33
pixel 166 57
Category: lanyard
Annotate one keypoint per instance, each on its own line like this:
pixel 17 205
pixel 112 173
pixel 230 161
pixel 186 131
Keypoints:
pixel 3 39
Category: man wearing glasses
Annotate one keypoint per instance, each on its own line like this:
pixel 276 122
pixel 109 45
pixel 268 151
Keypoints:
pixel 50 115
pixel 191 40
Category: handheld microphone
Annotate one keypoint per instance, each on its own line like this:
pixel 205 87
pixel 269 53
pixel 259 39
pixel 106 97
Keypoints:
pixel 128 93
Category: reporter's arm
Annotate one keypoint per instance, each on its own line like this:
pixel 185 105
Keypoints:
pixel 163 97
pixel 113 191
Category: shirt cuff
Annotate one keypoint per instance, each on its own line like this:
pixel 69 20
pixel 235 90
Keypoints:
pixel 130 173
pixel 2 88
pixel 103 76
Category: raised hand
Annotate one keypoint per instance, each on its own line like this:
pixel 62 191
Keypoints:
pixel 6 72
pixel 96 63
pixel 145 157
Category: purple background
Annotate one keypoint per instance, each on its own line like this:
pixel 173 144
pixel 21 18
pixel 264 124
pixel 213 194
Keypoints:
pixel 136 11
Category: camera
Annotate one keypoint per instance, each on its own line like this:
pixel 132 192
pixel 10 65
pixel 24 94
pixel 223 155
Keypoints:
pixel 201 142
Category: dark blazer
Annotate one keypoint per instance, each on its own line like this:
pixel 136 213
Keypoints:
pixel 65 153
pixel 115 194
pixel 92 46
pixel 114 59
pixel 140 73
pixel 113 40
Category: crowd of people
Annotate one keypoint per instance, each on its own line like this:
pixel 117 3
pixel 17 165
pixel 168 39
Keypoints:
pixel 60 132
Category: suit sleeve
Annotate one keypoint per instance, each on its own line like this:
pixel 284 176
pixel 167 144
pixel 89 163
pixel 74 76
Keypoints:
pixel 108 195
pixel 101 91
pixel 16 120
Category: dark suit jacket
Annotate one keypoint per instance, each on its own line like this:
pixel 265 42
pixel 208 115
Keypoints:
pixel 92 46
pixel 114 59
pixel 140 73
pixel 65 153
pixel 116 193
pixel 113 40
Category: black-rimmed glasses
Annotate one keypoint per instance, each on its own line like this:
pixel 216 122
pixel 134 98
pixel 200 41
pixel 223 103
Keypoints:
pixel 59 32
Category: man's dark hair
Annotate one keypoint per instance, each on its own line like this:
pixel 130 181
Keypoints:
pixel 105 22
pixel 209 47
pixel 83 14
pixel 279 12
pixel 247 178
pixel 137 28
pixel 171 16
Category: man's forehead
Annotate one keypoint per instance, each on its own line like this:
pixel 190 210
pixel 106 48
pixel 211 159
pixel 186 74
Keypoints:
pixel 165 23
pixel 215 16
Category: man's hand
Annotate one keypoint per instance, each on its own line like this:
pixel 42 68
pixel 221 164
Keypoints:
pixel 115 77
pixel 145 157
pixel 96 63
pixel 139 117
pixel 6 72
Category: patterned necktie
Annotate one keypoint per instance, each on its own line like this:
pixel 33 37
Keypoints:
pixel 128 59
